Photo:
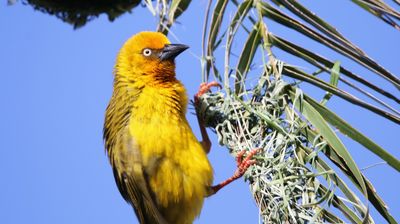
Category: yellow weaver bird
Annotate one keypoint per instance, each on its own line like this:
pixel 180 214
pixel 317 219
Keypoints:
pixel 160 167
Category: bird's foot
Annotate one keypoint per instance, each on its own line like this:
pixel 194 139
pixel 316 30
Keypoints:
pixel 242 166
pixel 205 87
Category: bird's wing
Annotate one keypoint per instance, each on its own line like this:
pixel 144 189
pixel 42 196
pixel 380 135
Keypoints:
pixel 125 158
pixel 132 182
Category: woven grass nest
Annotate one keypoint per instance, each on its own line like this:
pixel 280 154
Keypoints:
pixel 78 13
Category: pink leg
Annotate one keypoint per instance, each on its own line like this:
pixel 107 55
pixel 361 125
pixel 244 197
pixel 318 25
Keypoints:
pixel 204 87
pixel 243 165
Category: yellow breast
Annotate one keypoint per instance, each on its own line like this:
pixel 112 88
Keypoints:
pixel 177 167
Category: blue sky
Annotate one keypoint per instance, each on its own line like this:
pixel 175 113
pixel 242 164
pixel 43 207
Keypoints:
pixel 56 83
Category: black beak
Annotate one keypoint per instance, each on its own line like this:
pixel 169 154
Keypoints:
pixel 170 51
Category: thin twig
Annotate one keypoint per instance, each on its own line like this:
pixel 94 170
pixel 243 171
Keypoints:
pixel 373 165
pixel 203 43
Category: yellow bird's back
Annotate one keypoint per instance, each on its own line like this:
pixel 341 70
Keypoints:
pixel 159 165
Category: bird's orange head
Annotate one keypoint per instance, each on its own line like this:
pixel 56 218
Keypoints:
pixel 147 56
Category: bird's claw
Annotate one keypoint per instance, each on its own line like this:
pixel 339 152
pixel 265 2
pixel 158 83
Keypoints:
pixel 244 164
pixel 205 87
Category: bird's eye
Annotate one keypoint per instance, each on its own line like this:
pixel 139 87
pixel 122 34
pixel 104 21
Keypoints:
pixel 146 52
